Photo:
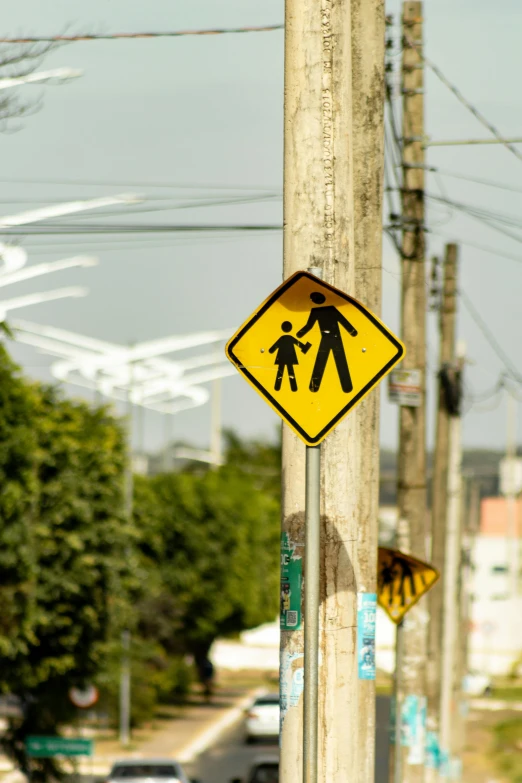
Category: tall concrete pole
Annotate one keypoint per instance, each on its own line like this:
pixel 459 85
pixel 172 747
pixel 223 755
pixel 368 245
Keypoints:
pixel 447 327
pixel 411 489
pixel 368 85
pixel 319 234
pixel 451 569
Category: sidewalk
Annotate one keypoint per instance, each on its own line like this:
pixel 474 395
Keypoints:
pixel 183 737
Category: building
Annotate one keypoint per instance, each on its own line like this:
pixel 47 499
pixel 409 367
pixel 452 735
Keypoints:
pixel 495 632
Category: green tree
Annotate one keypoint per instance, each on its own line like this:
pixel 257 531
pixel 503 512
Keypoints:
pixel 211 542
pixel 63 537
pixel 18 498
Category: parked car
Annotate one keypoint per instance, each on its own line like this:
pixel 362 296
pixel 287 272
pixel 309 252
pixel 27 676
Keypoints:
pixel 151 770
pixel 476 684
pixel 262 720
pixel 264 769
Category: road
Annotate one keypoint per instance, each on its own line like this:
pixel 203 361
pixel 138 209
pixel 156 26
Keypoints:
pixel 231 757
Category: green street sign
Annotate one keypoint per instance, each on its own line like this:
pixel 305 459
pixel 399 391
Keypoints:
pixel 46 747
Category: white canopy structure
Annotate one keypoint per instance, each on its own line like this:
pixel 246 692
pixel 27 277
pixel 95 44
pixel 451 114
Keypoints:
pixel 142 374
pixel 13 259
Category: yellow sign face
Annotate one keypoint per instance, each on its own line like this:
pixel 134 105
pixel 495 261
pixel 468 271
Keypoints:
pixel 401 581
pixel 313 353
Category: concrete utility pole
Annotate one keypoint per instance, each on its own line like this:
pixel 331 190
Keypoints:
pixel 470 526
pixel 368 96
pixel 451 570
pixel 321 133
pixel 411 490
pixel 439 503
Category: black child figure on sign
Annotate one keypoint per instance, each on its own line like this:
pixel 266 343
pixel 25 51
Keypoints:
pixel 286 355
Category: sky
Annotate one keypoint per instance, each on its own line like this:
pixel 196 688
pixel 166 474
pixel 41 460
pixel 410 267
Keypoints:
pixel 208 111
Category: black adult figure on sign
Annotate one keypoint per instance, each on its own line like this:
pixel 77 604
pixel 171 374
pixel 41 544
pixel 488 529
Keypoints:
pixel 286 355
pixel 328 319
pixel 406 576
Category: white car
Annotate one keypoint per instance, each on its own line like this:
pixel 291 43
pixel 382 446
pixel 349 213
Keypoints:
pixel 476 684
pixel 262 720
pixel 150 770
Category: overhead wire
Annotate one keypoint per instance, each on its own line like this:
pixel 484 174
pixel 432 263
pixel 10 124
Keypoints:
pixel 476 180
pixel 464 101
pixel 127 36
pixel 511 369
pixel 97 183
pixel 61 229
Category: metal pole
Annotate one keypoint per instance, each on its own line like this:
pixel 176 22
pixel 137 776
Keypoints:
pixel 125 672
pixel 215 425
pixel 467 142
pixel 311 632
pixel 511 496
pixel 168 451
pixel 397 758
pixel 125 694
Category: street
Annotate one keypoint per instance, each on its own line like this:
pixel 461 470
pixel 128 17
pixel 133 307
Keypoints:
pixel 231 757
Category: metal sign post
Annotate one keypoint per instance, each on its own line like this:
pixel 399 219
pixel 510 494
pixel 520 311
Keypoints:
pixel 397 760
pixel 311 628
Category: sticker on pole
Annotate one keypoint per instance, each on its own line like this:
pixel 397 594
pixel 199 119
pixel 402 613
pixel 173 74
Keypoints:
pixel 405 387
pixel 313 352
pixel 291 585
pixel 402 580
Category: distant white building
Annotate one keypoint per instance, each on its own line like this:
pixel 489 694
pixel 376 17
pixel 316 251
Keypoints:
pixel 496 627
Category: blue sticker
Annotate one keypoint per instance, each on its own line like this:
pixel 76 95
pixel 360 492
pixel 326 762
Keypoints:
pixel 432 750
pixel 366 614
pixel 409 710
pixel 444 764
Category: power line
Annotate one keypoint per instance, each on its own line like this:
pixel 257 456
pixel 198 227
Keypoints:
pixel 491 219
pixel 477 246
pixel 477 180
pixel 96 183
pixel 223 202
pixel 456 92
pixel 490 337
pixel 51 229
pixel 127 36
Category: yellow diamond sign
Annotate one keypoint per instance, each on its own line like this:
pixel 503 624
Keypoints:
pixel 401 581
pixel 313 353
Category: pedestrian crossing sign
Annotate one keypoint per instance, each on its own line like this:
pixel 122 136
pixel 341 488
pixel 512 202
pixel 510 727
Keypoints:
pixel 313 353
pixel 402 580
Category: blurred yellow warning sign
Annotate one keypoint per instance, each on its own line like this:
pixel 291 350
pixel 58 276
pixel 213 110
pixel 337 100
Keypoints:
pixel 401 581
pixel 313 353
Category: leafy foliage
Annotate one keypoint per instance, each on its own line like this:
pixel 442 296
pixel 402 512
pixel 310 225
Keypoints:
pixel 62 537
pixel 212 541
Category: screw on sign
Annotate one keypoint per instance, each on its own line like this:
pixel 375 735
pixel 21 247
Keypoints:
pixel 313 384
pixel 402 581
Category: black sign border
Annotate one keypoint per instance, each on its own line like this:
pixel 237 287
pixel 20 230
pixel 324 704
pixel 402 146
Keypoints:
pixel 262 310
